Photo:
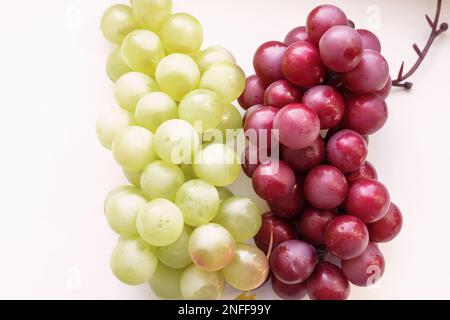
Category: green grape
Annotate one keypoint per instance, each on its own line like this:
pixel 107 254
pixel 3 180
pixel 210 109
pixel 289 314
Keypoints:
pixel 116 66
pixel 188 171
pixel 177 75
pixel 241 217
pixel 151 14
pixel 161 180
pixel 225 78
pixel 176 141
pixel 110 124
pixel 134 149
pixel 117 190
pixel 224 194
pixel 160 222
pixel 211 247
pixel 182 33
pixel 131 87
pixel 133 261
pixel 197 284
pixel 117 22
pixel 133 177
pixel 176 255
pixel 154 109
pixel 231 119
pixel 142 51
pixel 165 282
pixel 212 55
pixel 198 200
pixel 217 164
pixel 122 210
pixel 201 108
pixel 249 268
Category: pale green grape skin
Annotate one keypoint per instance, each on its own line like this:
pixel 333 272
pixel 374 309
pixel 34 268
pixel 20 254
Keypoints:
pixel 116 66
pixel 110 124
pixel 133 261
pixel 121 212
pixel 188 171
pixel 198 284
pixel 176 255
pixel 154 109
pixel 201 108
pixel 199 202
pixel 249 268
pixel 176 141
pixel 226 79
pixel 211 247
pixel 133 148
pixel 133 177
pixel 151 14
pixel 217 164
pixel 224 194
pixel 212 55
pixel 142 50
pixel 241 216
pixel 165 282
pixel 117 22
pixel 117 190
pixel 160 223
pixel 231 119
pixel 177 74
pixel 131 87
pixel 161 180
pixel 182 33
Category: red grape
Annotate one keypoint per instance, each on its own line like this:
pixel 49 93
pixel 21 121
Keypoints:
pixel 367 171
pixel 325 187
pixel 259 120
pixel 302 160
pixel 388 227
pixel 365 269
pixel 370 40
pixel 301 65
pixel 267 61
pixel 251 110
pixel 346 237
pixel 252 157
pixel 298 126
pixel 368 200
pixel 290 206
pixel 347 150
pixel 281 93
pixel 253 93
pixel 384 93
pixel 273 180
pixel 328 282
pixel 370 75
pixel 296 35
pixel 289 291
pixel 341 48
pixel 293 261
pixel 323 18
pixel 282 230
pixel 328 103
pixel 312 224
pixel 366 113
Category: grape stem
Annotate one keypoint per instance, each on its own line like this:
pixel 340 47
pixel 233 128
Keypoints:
pixel 436 29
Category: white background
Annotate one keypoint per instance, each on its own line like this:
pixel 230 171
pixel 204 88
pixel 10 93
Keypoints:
pixel 54 241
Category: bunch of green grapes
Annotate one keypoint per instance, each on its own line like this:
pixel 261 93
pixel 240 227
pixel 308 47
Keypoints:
pixel 180 229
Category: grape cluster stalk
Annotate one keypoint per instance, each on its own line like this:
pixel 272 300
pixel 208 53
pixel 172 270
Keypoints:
pixel 180 229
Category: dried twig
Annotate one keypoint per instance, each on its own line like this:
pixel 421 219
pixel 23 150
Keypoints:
pixel 436 29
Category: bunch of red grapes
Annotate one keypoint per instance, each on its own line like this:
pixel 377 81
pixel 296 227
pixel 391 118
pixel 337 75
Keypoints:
pixel 323 90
